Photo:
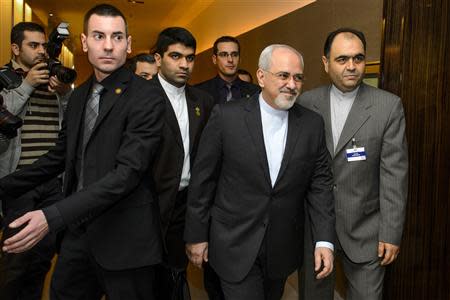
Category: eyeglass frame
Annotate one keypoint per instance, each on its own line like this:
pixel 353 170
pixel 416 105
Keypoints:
pixel 224 54
pixel 281 73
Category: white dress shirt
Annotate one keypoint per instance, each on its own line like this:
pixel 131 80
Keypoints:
pixel 177 98
pixel 340 105
pixel 275 128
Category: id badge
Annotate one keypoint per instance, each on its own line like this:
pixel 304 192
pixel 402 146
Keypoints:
pixel 356 154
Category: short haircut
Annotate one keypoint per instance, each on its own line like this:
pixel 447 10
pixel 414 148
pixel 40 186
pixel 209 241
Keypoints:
pixel 265 59
pixel 143 57
pixel 245 72
pixel 331 36
pixel 224 39
pixel 17 32
pixel 105 10
pixel 174 35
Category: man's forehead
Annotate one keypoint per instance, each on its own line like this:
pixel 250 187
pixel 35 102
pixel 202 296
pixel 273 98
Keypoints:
pixel 180 48
pixel 223 45
pixel 346 43
pixel 103 24
pixel 283 58
pixel 33 36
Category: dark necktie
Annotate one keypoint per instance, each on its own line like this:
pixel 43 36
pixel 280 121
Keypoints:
pixel 90 116
pixel 229 92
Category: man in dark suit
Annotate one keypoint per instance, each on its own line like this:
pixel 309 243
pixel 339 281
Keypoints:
pixel 365 134
pixel 246 209
pixel 227 85
pixel 187 110
pixel 106 146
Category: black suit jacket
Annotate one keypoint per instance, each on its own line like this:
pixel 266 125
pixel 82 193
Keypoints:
pixel 231 201
pixel 116 210
pixel 212 87
pixel 169 162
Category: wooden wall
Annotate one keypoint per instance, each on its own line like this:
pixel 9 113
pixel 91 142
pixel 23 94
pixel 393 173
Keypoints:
pixel 416 65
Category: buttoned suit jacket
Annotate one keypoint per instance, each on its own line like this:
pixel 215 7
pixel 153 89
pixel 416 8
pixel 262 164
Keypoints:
pixel 117 209
pixel 370 195
pixel 212 87
pixel 169 162
pixel 232 204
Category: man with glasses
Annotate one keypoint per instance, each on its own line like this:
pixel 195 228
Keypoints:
pixel 365 134
pixel 246 209
pixel 226 85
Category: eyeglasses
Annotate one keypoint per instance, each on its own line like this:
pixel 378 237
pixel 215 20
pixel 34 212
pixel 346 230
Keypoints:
pixel 224 54
pixel 285 76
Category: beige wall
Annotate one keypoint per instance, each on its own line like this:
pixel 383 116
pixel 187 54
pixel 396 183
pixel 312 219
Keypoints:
pixel 306 30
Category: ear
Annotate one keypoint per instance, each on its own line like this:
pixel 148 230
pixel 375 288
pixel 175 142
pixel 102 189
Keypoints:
pixel 129 44
pixel 83 42
pixel 214 59
pixel 158 59
pixel 15 49
pixel 325 63
pixel 260 77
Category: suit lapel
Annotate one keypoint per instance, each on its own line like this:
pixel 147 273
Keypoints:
pixel 357 116
pixel 78 114
pixel 254 125
pixel 323 106
pixel 171 118
pixel 194 114
pixel 294 131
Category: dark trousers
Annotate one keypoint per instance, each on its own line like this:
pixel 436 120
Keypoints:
pixel 171 274
pixel 22 275
pixel 78 276
pixel 257 285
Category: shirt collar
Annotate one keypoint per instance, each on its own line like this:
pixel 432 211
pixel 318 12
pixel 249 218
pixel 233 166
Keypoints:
pixel 223 83
pixel 170 88
pixel 344 96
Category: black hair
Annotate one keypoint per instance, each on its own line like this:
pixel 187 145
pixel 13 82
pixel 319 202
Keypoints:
pixel 224 39
pixel 17 32
pixel 332 35
pixel 105 10
pixel 174 35
pixel 143 57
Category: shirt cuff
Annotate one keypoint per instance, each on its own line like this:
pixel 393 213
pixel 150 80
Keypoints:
pixel 325 244
pixel 54 220
pixel 26 88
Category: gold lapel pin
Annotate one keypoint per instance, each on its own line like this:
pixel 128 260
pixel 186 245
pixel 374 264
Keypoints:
pixel 197 111
pixel 118 91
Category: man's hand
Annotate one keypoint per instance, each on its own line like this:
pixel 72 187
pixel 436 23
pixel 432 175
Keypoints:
pixel 38 74
pixel 197 253
pixel 323 255
pixel 56 86
pixel 34 231
pixel 389 251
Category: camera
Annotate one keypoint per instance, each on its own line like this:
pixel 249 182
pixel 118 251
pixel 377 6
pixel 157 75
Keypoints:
pixel 9 123
pixel 54 46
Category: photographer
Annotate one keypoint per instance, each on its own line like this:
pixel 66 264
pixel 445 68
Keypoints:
pixel 40 101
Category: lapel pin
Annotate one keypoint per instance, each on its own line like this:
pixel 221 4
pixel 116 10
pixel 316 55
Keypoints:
pixel 197 111
pixel 118 91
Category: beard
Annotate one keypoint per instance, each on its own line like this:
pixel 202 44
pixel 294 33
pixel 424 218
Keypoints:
pixel 285 102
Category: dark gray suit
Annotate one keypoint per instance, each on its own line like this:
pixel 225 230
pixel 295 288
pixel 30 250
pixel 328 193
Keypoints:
pixel 370 195
pixel 232 203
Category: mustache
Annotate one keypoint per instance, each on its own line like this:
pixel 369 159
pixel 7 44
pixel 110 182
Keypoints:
pixel 289 91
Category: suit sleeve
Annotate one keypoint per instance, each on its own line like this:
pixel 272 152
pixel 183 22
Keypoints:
pixel 204 178
pixel 137 150
pixel 393 177
pixel 320 200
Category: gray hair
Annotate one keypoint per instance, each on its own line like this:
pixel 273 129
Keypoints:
pixel 265 59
